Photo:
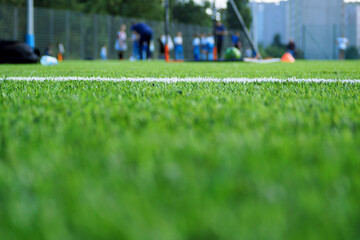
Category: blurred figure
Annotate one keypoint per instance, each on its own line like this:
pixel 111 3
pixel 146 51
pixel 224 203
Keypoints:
pixel 61 52
pixel 135 40
pixel 203 41
pixel 342 42
pixel 161 48
pixel 196 47
pixel 249 53
pixel 219 35
pixel 120 44
pixel 152 47
pixel 144 51
pixel 291 47
pixel 170 43
pixel 210 45
pixel 179 50
pixel 145 35
pixel 49 50
pixel 103 53
pixel 235 39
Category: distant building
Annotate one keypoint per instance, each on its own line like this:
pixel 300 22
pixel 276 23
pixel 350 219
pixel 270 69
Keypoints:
pixel 269 19
pixel 358 27
pixel 313 24
pixel 352 24
pixel 316 25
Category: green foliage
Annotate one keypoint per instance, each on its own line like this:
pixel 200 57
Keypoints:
pixel 352 53
pixel 138 160
pixel 262 50
pixel 232 21
pixel 181 11
pixel 277 41
pixel 191 12
pixel 275 50
pixel 18 3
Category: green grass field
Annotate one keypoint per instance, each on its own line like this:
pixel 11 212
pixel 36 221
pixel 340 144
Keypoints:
pixel 194 161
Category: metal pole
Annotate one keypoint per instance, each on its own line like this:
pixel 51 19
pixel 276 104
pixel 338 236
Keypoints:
pixel 16 16
pixel 247 33
pixel 214 30
pixel 343 19
pixel 95 36
pixel 30 38
pixel 82 36
pixel 167 23
pixel 51 26
pixel 303 40
pixel 214 18
pixel 109 20
pixel 167 20
pixel 67 32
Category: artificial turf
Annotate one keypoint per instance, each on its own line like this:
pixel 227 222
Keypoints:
pixel 140 160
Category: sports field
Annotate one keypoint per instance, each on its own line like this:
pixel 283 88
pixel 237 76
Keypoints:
pixel 200 160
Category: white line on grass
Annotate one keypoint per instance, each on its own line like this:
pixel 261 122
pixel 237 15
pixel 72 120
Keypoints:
pixel 175 79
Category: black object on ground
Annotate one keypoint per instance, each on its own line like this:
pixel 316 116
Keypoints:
pixel 17 52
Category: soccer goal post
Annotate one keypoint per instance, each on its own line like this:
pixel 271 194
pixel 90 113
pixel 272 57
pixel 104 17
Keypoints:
pixel 247 33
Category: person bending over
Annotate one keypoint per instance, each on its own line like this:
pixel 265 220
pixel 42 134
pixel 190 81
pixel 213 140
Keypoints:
pixel 145 32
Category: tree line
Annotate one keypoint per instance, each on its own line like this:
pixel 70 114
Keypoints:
pixel 183 11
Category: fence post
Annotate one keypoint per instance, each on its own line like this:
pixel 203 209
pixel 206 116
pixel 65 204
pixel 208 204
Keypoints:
pixel 51 27
pixel 334 42
pixel 303 35
pixel 109 34
pixel 82 36
pixel 16 15
pixel 67 31
pixel 95 36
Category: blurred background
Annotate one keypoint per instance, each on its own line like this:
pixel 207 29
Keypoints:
pixel 85 26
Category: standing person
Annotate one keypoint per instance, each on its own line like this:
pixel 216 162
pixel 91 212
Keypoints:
pixel 342 42
pixel 170 43
pixel 179 50
pixel 145 32
pixel 203 47
pixel 103 53
pixel 196 47
pixel 220 32
pixel 291 47
pixel 210 45
pixel 120 44
pixel 49 50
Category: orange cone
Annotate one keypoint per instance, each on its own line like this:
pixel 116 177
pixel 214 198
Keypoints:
pixel 60 57
pixel 167 53
pixel 288 58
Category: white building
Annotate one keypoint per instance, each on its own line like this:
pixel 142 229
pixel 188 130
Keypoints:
pixel 313 24
pixel 269 19
pixel 358 27
pixel 352 24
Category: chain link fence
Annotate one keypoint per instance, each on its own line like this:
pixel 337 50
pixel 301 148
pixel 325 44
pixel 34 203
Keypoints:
pixel 319 41
pixel 82 34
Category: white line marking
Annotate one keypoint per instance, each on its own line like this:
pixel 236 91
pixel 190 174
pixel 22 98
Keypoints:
pixel 175 79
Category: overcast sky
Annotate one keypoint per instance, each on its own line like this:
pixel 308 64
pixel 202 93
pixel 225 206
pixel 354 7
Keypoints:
pixel 222 3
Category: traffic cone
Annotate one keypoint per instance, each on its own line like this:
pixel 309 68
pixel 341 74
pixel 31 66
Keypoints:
pixel 288 58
